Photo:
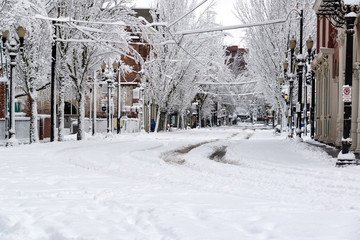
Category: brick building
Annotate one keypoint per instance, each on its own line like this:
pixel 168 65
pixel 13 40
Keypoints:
pixel 329 67
pixel 128 84
pixel 236 59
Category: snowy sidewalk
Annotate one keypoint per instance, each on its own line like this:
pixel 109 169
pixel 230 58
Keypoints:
pixel 221 183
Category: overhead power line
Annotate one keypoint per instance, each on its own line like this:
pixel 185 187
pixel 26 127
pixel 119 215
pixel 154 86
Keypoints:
pixel 233 94
pixel 225 83
pixel 183 16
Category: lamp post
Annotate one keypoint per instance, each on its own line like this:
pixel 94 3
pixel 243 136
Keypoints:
pixel 141 102
pixel 13 48
pixel 118 129
pixel 309 46
pixel 346 156
pixel 147 100
pixel 289 100
pixel 300 65
pixel 292 45
pixel 109 78
pixel 53 86
pixel 95 85
pixel 280 117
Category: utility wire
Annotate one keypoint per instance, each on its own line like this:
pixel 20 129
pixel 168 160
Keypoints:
pixel 183 16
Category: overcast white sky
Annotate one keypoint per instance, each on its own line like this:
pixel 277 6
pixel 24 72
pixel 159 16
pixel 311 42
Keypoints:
pixel 226 17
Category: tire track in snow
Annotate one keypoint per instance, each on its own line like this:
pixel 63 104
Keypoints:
pixel 177 156
pixel 268 175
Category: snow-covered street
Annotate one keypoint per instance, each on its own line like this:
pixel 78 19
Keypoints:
pixel 220 183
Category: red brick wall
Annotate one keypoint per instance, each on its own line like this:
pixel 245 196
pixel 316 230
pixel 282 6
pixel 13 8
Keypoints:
pixel 318 34
pixel 44 130
pixel 47 124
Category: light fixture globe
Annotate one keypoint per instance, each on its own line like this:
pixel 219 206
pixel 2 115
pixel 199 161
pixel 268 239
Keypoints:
pixel 285 65
pixel 281 80
pixel 103 66
pixel 5 34
pixel 292 43
pixel 138 77
pixel 115 65
pixel 309 43
pixel 21 32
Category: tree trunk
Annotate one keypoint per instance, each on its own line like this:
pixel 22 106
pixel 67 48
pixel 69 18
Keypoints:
pixel 34 131
pixel 186 120
pixel 178 121
pixel 81 115
pixel 157 120
pixel 182 121
pixel 61 110
pixel 166 121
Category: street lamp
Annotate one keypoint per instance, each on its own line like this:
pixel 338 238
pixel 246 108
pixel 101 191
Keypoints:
pixel 117 73
pixel 12 48
pixel 300 65
pixel 309 46
pixel 148 103
pixel 344 12
pixel 292 45
pixel 141 102
pixel 109 78
pixel 346 156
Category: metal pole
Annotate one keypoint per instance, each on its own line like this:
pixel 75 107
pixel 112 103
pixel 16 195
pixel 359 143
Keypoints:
pixel 199 123
pixel 118 129
pixel 111 106
pixel 7 117
pixel 94 106
pixel 12 97
pixel 149 117
pixel 90 107
pixel 305 109
pixel 312 108
pixel 53 86
pixel 345 156
pixel 300 73
pixel 108 107
pixel 291 81
pixel 142 111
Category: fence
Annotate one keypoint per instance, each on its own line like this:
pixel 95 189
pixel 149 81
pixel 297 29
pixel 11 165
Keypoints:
pixel 22 129
pixel 128 125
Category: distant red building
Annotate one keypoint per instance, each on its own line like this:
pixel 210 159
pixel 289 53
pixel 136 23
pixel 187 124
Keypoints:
pixel 236 59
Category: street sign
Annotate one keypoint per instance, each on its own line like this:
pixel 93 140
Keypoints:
pixel 346 93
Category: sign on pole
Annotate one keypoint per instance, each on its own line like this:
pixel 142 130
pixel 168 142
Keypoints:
pixel 346 93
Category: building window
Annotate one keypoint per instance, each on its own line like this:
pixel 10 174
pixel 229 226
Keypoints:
pixel 18 106
pixel 70 109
